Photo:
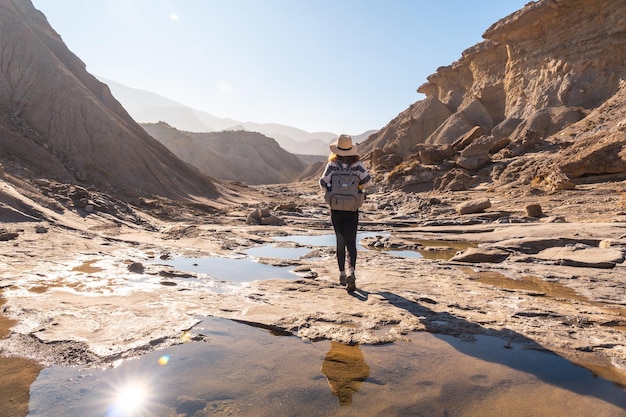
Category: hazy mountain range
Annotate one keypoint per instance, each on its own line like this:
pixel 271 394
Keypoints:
pixel 235 155
pixel 147 107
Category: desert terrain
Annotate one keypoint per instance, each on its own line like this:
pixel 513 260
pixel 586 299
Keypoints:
pixel 89 288
pixel 508 179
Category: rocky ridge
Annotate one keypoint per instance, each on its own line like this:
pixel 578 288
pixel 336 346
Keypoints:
pixel 59 122
pixel 539 103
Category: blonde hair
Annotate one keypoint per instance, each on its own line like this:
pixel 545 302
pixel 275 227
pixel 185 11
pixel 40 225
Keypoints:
pixel 351 159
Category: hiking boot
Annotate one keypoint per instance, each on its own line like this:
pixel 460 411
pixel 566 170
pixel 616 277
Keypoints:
pixel 351 283
pixel 342 278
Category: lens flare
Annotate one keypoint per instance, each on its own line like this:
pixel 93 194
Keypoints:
pixel 164 360
pixel 185 337
pixel 129 400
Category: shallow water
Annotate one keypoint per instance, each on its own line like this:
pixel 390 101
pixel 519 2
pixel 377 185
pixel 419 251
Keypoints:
pixel 329 240
pixel 246 371
pixel 230 269
pixel 323 240
pixel 239 370
pixel 246 269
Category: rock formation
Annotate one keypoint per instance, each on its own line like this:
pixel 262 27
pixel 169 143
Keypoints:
pixel 544 90
pixel 57 121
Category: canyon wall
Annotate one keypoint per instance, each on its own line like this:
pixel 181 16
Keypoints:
pixel 539 70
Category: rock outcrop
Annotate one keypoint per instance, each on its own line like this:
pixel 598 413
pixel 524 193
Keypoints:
pixel 552 66
pixel 57 121
pixel 247 157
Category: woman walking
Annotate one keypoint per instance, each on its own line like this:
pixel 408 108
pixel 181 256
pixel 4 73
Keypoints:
pixel 344 162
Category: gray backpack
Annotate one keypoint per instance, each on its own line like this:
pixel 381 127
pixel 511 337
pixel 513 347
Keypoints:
pixel 344 191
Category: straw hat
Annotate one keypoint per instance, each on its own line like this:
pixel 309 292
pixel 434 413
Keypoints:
pixel 343 146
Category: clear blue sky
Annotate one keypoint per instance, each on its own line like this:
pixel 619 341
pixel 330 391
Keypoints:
pixel 342 66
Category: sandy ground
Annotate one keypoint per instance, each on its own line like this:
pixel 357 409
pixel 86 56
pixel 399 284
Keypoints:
pixel 90 289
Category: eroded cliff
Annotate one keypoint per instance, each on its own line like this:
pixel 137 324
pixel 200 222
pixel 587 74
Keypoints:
pixel 57 121
pixel 499 113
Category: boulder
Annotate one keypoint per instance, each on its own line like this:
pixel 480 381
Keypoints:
pixel 481 255
pixel 596 155
pixel 432 154
pixel 272 220
pixel 264 217
pixel 290 207
pixel 533 210
pixel 473 162
pixel 583 257
pixel 467 139
pixel 532 245
pixel 474 206
pixel 454 180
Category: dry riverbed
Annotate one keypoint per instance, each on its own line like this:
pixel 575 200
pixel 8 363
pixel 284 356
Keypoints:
pixel 90 290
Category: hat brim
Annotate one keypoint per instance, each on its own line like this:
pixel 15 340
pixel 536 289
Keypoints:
pixel 343 152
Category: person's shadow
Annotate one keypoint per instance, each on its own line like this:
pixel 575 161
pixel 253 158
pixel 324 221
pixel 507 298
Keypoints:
pixel 575 379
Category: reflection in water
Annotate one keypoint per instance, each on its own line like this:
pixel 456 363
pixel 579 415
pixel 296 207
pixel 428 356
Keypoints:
pixel 322 240
pixel 229 269
pixel 17 376
pixel 129 400
pixel 244 371
pixel 345 369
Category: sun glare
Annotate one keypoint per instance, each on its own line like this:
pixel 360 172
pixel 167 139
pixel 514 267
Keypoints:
pixel 129 400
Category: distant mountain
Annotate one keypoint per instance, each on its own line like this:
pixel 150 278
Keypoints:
pixel 248 157
pixel 57 121
pixel 148 107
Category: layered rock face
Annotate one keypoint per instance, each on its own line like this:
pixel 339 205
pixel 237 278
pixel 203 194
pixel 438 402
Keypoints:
pixel 59 122
pixel 248 157
pixel 539 70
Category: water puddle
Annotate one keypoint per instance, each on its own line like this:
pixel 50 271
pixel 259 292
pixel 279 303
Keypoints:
pixel 248 371
pixel 444 250
pixel 328 240
pixel 539 287
pixel 271 251
pixel 246 269
pixel 238 270
pixel 430 248
pixel 529 283
pixel 323 240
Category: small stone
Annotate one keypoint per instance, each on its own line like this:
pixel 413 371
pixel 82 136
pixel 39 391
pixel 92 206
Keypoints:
pixel 533 210
pixel 136 268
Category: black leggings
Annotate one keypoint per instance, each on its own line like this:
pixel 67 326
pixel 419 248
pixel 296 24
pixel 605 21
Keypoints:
pixel 345 224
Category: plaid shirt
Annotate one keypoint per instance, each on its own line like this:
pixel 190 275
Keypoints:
pixel 358 167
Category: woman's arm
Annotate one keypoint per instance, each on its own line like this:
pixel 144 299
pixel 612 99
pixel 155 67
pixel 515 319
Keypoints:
pixel 328 172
